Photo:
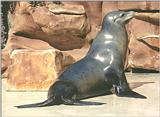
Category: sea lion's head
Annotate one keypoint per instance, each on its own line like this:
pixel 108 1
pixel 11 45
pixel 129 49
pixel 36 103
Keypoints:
pixel 118 17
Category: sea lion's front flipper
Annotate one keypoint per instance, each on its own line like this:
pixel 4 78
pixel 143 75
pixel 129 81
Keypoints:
pixel 122 89
pixel 119 91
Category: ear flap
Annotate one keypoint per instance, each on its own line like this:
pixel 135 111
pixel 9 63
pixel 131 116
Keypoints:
pixel 115 20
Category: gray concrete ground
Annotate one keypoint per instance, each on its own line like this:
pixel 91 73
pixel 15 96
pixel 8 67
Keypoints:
pixel 114 106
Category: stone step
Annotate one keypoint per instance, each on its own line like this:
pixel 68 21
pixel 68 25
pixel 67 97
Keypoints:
pixel 33 70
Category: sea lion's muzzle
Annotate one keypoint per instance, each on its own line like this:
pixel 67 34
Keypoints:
pixel 129 15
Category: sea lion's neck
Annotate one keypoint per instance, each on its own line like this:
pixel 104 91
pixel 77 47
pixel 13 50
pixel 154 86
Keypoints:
pixel 110 25
pixel 111 37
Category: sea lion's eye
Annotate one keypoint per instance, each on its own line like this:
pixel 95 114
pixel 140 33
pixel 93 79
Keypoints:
pixel 121 15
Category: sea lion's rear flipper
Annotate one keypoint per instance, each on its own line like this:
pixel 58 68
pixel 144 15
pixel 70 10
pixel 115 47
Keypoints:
pixel 48 102
pixel 67 101
pixel 132 86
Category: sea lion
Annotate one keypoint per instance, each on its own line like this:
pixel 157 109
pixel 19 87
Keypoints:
pixel 100 71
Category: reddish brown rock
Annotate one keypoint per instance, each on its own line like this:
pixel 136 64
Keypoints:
pixel 132 5
pixel 149 17
pixel 35 70
pixel 93 9
pixel 153 5
pixel 31 70
pixel 63 29
pixel 144 53
pixel 18 42
pixel 94 13
pixel 63 58
pixel 109 6
pixel 138 5
pixel 66 8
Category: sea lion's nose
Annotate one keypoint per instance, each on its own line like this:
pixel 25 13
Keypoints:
pixel 131 13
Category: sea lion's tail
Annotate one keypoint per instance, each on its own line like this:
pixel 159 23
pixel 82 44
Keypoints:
pixel 48 102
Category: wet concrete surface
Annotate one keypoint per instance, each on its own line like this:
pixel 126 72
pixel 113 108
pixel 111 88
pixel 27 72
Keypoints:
pixel 113 105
